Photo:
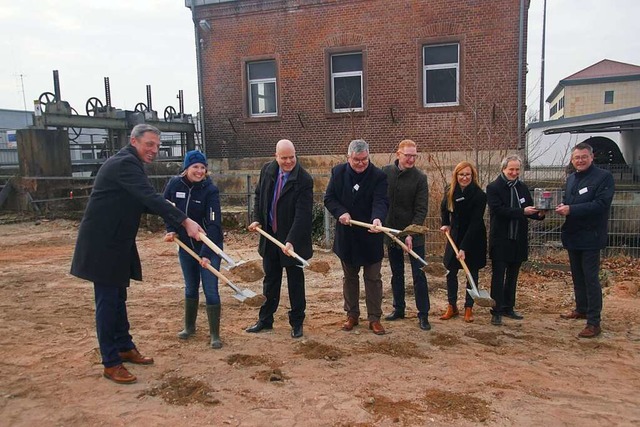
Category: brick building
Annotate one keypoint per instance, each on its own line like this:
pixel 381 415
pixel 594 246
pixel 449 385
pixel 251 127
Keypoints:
pixel 322 72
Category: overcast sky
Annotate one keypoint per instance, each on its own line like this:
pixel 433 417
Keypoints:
pixel 136 43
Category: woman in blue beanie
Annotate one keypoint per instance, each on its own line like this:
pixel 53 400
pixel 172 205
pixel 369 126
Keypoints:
pixel 194 193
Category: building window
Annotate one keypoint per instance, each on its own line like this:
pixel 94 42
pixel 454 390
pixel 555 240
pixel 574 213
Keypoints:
pixel 346 82
pixel 441 75
pixel 608 97
pixel 553 110
pixel 263 94
pixel 561 103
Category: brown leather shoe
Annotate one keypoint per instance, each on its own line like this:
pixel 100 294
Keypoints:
pixel 573 315
pixel 119 374
pixel 468 314
pixel 452 311
pixel 590 331
pixel 350 323
pixel 376 327
pixel 134 356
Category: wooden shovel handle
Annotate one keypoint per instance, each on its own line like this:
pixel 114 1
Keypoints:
pixel 371 226
pixel 464 264
pixel 282 246
pixel 215 248
pixel 405 247
pixel 209 267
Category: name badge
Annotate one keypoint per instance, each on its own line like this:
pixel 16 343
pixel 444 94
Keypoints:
pixel 522 200
pixel 460 199
pixel 180 195
pixel 356 187
pixel 583 190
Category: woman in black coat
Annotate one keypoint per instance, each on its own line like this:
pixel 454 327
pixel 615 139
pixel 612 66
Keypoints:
pixel 510 205
pixel 462 212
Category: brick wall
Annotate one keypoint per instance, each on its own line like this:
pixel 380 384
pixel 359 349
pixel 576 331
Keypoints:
pixel 298 34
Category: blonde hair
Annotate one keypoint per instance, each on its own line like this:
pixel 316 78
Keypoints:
pixel 454 181
pixel 405 143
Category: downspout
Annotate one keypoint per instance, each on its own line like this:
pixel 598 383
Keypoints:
pixel 520 74
pixel 199 72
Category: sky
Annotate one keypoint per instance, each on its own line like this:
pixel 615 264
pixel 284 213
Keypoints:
pixel 151 42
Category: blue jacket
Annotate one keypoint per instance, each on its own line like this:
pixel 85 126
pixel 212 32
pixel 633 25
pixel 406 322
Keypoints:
pixel 106 249
pixel 201 202
pixel 589 195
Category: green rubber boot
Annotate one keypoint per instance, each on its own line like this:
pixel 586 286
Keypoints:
pixel 190 314
pixel 213 313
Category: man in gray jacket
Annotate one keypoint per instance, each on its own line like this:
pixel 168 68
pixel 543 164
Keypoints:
pixel 408 193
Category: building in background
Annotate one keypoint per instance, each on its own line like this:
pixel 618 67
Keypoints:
pixel 604 86
pixel 323 72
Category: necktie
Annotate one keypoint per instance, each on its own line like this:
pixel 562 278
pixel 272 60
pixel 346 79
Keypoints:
pixel 274 205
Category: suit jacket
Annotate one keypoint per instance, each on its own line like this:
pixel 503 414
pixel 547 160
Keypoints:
pixel 355 245
pixel 589 195
pixel 408 199
pixel 294 210
pixel 106 249
pixel 501 248
pixel 467 227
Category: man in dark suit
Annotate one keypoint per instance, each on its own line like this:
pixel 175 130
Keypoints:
pixel 357 190
pixel 106 252
pixel 283 208
pixel 587 201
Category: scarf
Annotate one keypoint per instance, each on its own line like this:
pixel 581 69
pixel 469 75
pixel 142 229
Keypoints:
pixel 513 203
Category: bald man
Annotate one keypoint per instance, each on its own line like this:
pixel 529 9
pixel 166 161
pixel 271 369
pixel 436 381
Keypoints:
pixel 283 205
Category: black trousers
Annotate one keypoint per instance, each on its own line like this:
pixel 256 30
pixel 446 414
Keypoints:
pixel 452 287
pixel 585 267
pixel 112 323
pixel 420 288
pixel 504 279
pixel 273 283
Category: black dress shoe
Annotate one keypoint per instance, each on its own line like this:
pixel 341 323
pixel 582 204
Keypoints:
pixel 424 324
pixel 395 315
pixel 259 326
pixel 513 315
pixel 296 331
pixel 496 319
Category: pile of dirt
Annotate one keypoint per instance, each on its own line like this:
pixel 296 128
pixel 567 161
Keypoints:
pixel 314 350
pixel 457 405
pixel 182 391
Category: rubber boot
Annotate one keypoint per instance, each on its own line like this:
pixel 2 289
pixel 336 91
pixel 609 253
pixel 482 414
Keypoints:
pixel 452 311
pixel 213 313
pixel 190 314
pixel 468 314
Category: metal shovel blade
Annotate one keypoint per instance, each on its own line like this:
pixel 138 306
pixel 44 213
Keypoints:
pixel 249 297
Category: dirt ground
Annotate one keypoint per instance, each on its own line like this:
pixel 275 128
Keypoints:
pixel 530 372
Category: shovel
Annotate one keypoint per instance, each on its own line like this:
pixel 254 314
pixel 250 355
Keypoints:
pixel 410 229
pixel 244 295
pixel 482 297
pixel 427 268
pixel 215 248
pixel 282 246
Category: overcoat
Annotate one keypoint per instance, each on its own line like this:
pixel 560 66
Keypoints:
pixel 201 202
pixel 106 249
pixel 467 227
pixel 589 195
pixel 408 192
pixel 501 248
pixel 355 245
pixel 294 213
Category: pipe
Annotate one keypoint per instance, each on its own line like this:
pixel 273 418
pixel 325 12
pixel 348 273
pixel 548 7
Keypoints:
pixel 520 72
pixel 199 72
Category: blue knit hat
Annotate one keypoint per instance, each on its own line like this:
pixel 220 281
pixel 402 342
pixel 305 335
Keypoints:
pixel 192 157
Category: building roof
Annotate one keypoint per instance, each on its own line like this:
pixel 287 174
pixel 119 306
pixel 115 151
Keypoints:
pixel 600 72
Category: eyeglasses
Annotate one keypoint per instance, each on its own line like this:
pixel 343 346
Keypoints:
pixel 411 156
pixel 583 157
pixel 464 175
pixel 360 161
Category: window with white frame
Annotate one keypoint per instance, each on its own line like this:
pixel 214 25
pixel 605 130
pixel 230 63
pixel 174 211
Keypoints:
pixel 263 92
pixel 346 82
pixel 441 75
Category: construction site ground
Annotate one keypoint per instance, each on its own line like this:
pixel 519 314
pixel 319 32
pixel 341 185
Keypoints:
pixel 529 372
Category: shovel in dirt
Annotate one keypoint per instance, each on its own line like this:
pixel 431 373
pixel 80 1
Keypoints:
pixel 282 246
pixel 410 229
pixel 215 248
pixel 246 296
pixel 481 297
pixel 436 270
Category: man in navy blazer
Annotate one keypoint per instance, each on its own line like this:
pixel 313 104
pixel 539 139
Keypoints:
pixel 357 190
pixel 586 205
pixel 106 252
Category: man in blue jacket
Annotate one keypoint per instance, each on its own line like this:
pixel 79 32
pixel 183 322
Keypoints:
pixel 586 205
pixel 106 252
pixel 357 190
